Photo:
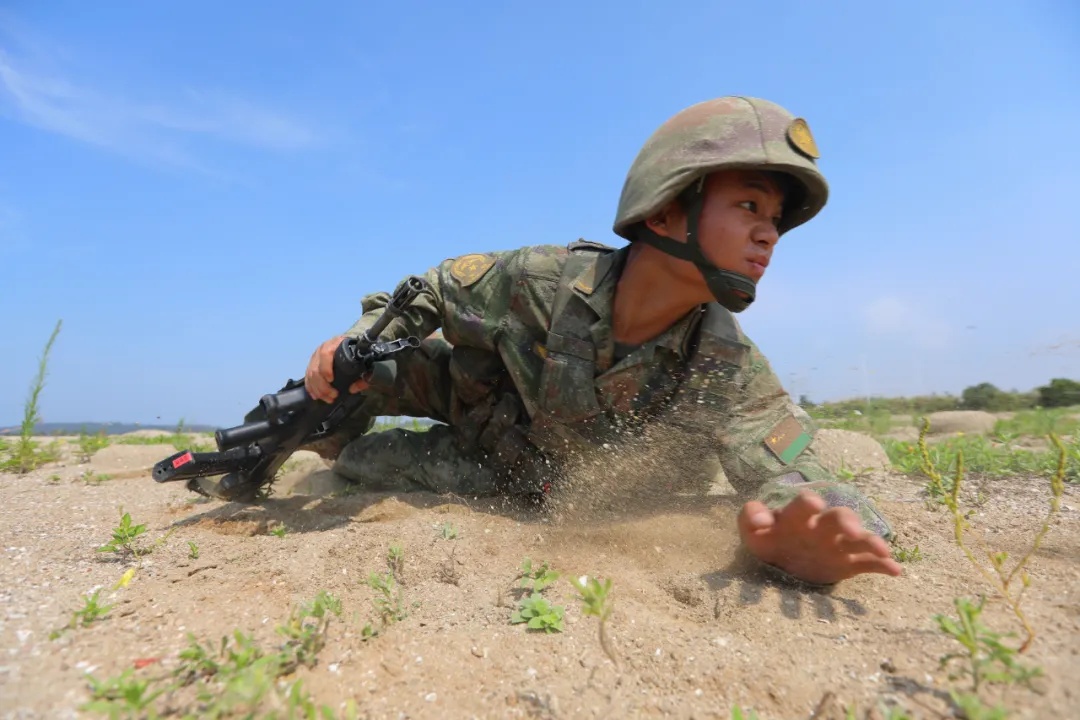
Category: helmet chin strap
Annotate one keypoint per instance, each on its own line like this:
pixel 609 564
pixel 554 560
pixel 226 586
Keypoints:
pixel 734 291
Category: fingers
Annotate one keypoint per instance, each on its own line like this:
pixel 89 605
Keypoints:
pixel 320 371
pixel 801 511
pixel 842 521
pixel 865 563
pixel 755 517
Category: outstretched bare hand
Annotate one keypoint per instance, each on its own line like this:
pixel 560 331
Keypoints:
pixel 814 543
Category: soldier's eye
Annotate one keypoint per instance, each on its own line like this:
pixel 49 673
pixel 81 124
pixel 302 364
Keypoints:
pixel 749 205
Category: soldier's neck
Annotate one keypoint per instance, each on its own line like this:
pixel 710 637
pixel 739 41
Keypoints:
pixel 653 293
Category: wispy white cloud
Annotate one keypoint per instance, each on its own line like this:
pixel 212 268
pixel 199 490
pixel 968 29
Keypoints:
pixel 157 127
pixel 894 316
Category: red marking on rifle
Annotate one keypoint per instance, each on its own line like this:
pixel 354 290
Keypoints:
pixel 182 460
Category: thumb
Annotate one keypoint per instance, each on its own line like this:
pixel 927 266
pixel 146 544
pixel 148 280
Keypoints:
pixel 754 518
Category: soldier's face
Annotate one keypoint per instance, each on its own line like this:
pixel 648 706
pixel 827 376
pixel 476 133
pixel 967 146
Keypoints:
pixel 738 224
pixel 739 220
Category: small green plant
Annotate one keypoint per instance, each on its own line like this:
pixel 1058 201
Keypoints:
pixel 448 531
pixel 92 478
pixel 987 658
pixel 998 576
pixel 93 610
pixel 123 537
pixel 389 603
pixel 595 600
pixel 26 455
pixel 536 579
pixel 307 625
pixel 538 614
pixel 123 696
pixel 90 444
pixel 395 560
pixel 238 679
pixel 737 713
pixel 193 550
pixel 280 531
pixel 904 555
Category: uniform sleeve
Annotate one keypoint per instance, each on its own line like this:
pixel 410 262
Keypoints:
pixel 767 448
pixel 458 296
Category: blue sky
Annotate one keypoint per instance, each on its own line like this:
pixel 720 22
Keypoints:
pixel 204 191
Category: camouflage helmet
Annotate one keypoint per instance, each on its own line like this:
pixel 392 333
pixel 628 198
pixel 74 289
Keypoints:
pixel 721 134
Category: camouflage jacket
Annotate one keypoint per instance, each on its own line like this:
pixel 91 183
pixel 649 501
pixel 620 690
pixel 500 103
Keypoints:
pixel 531 331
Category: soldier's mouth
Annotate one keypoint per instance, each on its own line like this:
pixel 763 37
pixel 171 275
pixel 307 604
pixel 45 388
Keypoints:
pixel 757 266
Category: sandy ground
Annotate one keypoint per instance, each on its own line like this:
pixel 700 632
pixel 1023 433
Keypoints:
pixel 696 628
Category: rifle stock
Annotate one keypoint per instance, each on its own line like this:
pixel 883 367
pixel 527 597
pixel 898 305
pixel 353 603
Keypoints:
pixel 249 455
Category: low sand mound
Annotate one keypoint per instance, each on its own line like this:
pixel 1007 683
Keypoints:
pixel 971 422
pixel 903 434
pixel 147 433
pixel 848 449
pixel 119 458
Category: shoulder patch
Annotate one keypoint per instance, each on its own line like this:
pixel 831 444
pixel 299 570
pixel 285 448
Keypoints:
pixel 787 440
pixel 467 269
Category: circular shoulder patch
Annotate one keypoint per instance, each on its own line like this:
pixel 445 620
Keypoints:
pixel 467 269
pixel 799 135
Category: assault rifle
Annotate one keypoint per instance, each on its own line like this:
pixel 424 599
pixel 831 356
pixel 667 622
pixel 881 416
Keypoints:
pixel 249 455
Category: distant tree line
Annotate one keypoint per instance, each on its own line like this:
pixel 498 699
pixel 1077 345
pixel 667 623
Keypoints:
pixel 1059 392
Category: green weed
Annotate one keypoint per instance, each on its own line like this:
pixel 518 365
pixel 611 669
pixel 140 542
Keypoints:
pixel 904 555
pixel 595 598
pixel 982 456
pixel 93 478
pixel 1039 423
pixel 239 678
pixel 538 614
pixel 306 628
pixel 987 658
pixel 26 454
pixel 93 610
pixel 997 575
pixel 395 560
pixel 180 439
pixel 123 537
pixel 389 601
pixel 193 550
pixel 123 696
pixel 448 531
pixel 90 444
pixel 536 579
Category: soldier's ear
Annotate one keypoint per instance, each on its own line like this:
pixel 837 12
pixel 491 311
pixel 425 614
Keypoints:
pixel 668 222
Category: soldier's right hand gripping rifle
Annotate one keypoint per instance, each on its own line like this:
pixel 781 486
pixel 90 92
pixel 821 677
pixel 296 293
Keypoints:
pixel 250 455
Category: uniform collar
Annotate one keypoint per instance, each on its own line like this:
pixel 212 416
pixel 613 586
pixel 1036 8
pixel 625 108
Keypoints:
pixel 595 284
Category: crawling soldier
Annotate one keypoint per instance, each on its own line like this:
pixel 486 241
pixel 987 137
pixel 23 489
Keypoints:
pixel 536 355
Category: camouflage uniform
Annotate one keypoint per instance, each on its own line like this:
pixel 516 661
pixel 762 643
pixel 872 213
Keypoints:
pixel 525 375
pixel 519 399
